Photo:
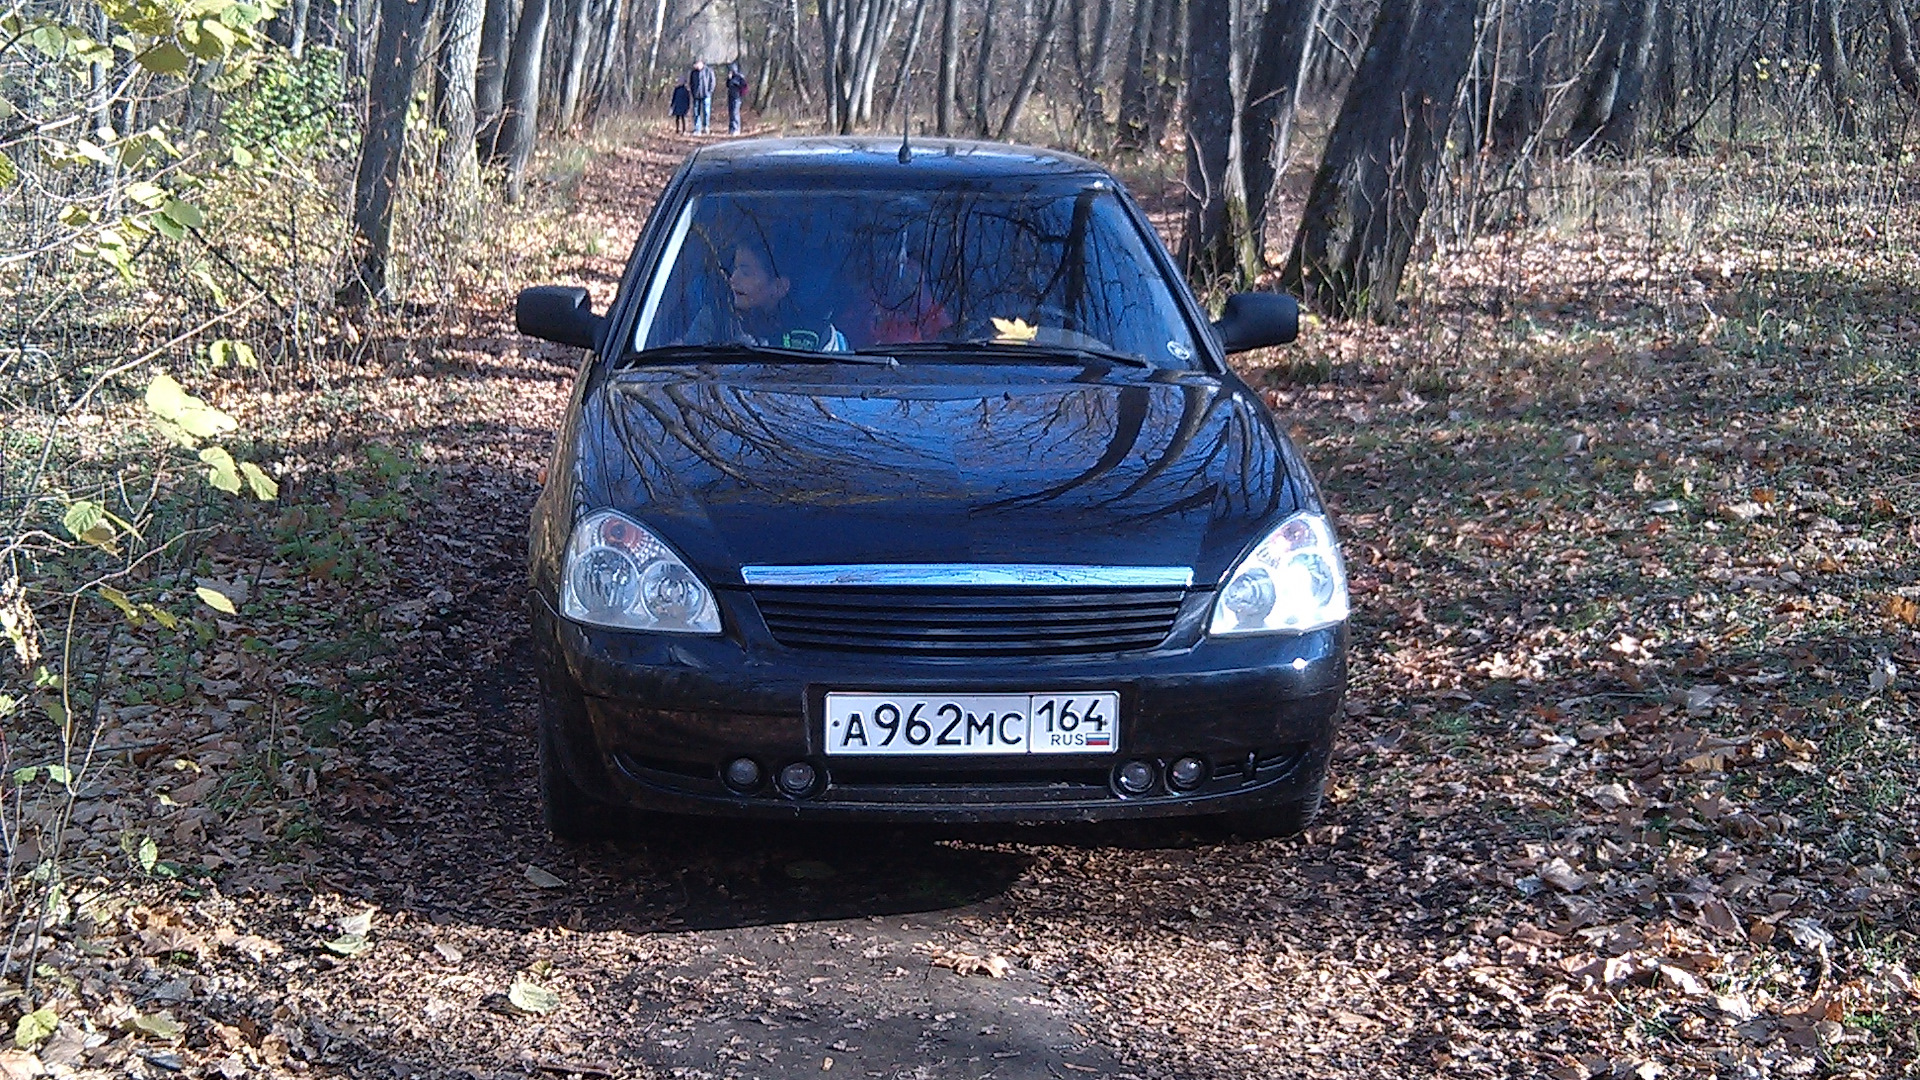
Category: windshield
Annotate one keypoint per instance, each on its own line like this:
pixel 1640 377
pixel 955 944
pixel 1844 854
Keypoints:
pixel 1053 267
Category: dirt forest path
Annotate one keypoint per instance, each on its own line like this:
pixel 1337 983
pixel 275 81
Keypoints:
pixel 709 950
pixel 1558 843
pixel 728 950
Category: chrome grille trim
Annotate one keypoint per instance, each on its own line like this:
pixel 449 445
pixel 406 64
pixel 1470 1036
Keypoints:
pixel 947 575
pixel 970 621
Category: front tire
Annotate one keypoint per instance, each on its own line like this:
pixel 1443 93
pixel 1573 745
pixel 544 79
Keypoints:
pixel 569 812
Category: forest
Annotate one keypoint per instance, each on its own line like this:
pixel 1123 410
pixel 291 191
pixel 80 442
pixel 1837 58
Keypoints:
pixel 1607 372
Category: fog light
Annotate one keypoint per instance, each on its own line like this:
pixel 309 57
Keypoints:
pixel 798 778
pixel 742 774
pixel 1187 773
pixel 1134 777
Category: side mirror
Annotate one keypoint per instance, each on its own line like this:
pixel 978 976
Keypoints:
pixel 559 313
pixel 1254 320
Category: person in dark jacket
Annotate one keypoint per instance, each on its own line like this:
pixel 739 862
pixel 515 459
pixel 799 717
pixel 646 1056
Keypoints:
pixel 682 102
pixel 736 93
pixel 700 85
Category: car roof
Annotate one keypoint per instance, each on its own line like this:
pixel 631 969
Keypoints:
pixel 853 158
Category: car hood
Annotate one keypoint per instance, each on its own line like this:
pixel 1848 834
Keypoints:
pixel 938 463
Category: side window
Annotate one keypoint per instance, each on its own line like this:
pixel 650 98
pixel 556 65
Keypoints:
pixel 691 282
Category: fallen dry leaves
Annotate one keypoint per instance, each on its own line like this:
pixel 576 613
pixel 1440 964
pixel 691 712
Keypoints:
pixel 1627 787
pixel 966 963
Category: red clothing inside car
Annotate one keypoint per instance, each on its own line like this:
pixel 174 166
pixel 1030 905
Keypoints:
pixel 920 318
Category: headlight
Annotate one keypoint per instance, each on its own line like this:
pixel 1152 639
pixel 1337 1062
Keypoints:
pixel 1292 580
pixel 620 575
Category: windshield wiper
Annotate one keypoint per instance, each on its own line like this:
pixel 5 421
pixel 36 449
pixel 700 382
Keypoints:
pixel 1014 350
pixel 746 353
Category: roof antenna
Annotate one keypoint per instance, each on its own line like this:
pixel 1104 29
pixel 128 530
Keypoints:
pixel 906 118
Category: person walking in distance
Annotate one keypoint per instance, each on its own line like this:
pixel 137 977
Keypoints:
pixel 682 104
pixel 736 93
pixel 700 85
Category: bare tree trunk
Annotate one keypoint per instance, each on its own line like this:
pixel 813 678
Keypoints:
pixel 454 74
pixel 1626 26
pixel 574 72
pixel 1733 106
pixel 793 54
pixel 1042 42
pixel 490 78
pixel 1526 109
pixel 397 55
pixel 297 28
pixel 1270 99
pixel 769 59
pixel 659 31
pixel 1900 48
pixel 1370 192
pixel 1623 119
pixel 520 124
pixel 1663 71
pixel 1092 52
pixel 1216 241
pixel 1133 81
pixel 832 13
pixel 948 90
pixel 981 73
pixel 1168 65
pixel 870 30
pixel 613 49
pixel 905 74
pixel 1835 72
pixel 359 42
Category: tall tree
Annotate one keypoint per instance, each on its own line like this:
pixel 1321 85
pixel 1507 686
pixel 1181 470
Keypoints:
pixel 1133 80
pixel 1370 192
pixel 1030 74
pixel 983 75
pixel 948 89
pixel 1526 107
pixel 903 79
pixel 1092 51
pixel 1836 74
pixel 490 77
pixel 793 53
pixel 297 28
pixel 856 33
pixel 519 125
pixel 573 71
pixel 1216 241
pixel 396 57
pixel 607 90
pixel 1630 90
pixel 1271 88
pixel 1168 64
pixel 1900 47
pixel 1627 23
pixel 454 74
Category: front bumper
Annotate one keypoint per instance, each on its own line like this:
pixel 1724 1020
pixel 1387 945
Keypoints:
pixel 648 721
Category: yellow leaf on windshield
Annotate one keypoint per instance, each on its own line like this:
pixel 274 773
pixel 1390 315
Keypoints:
pixel 1014 330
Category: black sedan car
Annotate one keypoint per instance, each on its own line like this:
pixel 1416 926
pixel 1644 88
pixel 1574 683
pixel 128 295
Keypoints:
pixel 913 485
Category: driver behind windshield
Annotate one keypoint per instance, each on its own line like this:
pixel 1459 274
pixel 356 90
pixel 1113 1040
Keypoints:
pixel 763 304
pixel 1046 268
pixel 768 309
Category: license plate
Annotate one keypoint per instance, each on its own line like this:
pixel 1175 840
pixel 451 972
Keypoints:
pixel 1084 722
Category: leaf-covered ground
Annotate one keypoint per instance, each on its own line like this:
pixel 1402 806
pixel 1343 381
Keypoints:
pixel 1631 501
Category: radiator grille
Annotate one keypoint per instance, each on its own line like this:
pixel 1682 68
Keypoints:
pixel 963 622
